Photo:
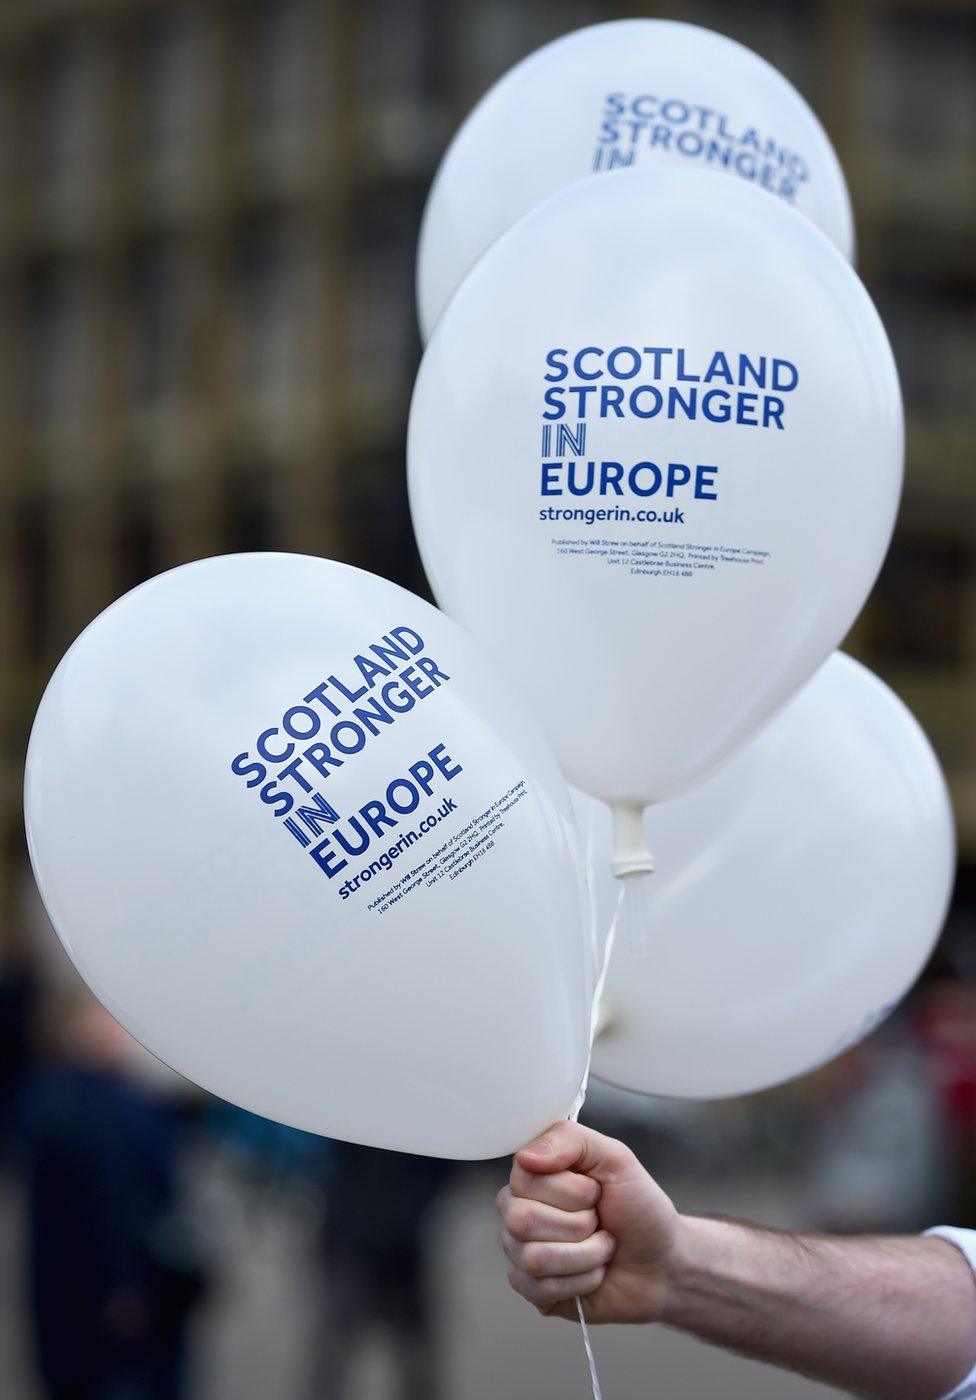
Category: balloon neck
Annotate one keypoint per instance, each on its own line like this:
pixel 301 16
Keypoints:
pixel 630 853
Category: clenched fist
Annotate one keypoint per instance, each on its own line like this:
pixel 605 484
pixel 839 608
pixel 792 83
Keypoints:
pixel 582 1218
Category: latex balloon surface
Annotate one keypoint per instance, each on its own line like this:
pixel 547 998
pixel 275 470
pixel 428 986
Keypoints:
pixel 655 457
pixel 630 93
pixel 299 837
pixel 798 895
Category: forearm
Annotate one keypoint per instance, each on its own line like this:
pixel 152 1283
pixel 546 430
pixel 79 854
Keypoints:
pixel 888 1318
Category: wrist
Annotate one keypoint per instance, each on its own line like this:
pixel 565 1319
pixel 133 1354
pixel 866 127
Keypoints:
pixel 693 1258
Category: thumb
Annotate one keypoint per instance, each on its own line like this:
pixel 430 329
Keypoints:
pixel 571 1147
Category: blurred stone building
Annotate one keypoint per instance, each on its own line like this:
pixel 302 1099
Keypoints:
pixel 208 218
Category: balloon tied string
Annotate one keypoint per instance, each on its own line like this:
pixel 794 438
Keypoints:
pixel 574 1115
pixel 635 901
pixel 632 864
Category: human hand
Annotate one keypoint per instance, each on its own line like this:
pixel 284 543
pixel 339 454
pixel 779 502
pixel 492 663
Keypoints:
pixel 583 1218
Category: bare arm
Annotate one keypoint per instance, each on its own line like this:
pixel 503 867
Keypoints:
pixel 892 1318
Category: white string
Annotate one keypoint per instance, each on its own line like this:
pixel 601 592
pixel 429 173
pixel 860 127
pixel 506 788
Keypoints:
pixel 577 1107
pixel 636 920
pixel 590 1358
pixel 589 866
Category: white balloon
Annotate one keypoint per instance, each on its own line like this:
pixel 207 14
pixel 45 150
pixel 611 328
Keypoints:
pixel 303 842
pixel 655 455
pixel 630 93
pixel 798 895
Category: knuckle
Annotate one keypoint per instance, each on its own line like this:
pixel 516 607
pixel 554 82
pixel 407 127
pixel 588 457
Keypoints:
pixel 585 1190
pixel 583 1224
pixel 519 1181
pixel 535 1258
pixel 550 1290
pixel 521 1219
pixel 526 1287
pixel 515 1250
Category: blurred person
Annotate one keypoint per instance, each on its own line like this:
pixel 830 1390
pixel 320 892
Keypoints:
pixel 263 1152
pixel 946 1024
pixel 112 1276
pixel 883 1316
pixel 18 992
pixel 883 1159
pixel 376 1266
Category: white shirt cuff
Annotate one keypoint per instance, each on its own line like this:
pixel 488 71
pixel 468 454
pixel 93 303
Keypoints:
pixel 965 1242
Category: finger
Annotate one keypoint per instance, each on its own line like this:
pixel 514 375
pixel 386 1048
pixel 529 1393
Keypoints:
pixel 571 1147
pixel 564 1190
pixel 566 1309
pixel 539 1259
pixel 532 1220
pixel 546 1293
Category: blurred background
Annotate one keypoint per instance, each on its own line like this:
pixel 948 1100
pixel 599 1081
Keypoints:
pixel 208 220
